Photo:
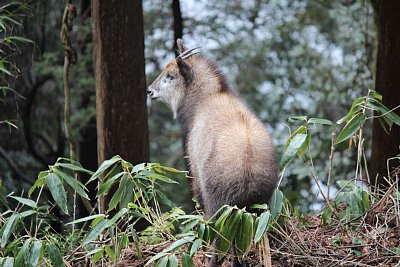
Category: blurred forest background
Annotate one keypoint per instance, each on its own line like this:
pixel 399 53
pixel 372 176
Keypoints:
pixel 285 58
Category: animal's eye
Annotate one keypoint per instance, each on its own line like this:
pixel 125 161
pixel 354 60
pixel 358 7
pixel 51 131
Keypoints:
pixel 170 76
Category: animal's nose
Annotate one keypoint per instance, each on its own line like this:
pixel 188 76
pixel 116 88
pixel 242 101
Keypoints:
pixel 149 92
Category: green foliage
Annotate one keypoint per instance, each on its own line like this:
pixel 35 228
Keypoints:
pixel 230 226
pixel 28 240
pixel 10 42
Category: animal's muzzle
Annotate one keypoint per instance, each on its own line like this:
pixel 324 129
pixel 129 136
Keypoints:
pixel 150 93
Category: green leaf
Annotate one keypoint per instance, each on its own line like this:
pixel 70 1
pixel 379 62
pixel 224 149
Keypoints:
pixel 179 242
pixel 41 181
pixel 35 252
pixel 200 230
pixel 73 182
pixel 245 235
pixel 88 218
pixel 127 196
pixel 187 260
pixel 300 130
pixel 19 260
pixel 297 118
pixel 195 246
pixel 355 108
pixel 98 255
pixel 116 217
pixel 262 226
pixel 365 199
pixel 110 253
pixel 9 262
pixel 118 194
pixel 104 166
pixel 189 225
pixel 326 215
pixel 26 201
pixel 163 262
pixel 156 257
pixel 172 261
pixel 55 255
pixel 95 232
pixel 228 232
pixel 391 115
pixel 19 39
pixel 165 199
pixel 351 127
pixel 219 224
pixel 276 203
pixel 57 191
pixel 293 147
pixel 73 167
pixel 320 121
pixel 106 186
pixel 8 228
pixel 28 213
pixel 376 95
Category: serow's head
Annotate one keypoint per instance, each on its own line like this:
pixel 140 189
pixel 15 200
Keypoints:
pixel 171 84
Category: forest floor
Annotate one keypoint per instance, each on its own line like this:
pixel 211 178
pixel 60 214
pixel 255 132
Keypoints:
pixel 371 239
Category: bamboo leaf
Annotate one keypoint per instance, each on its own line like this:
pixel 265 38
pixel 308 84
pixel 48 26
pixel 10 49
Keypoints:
pixel 57 191
pixel 172 261
pixel 187 260
pixel 8 228
pixel 292 149
pixel 262 226
pixel 73 182
pixel 106 186
pixel 320 121
pixel 110 253
pixel 95 232
pixel 73 167
pixel 88 218
pixel 179 242
pixel 118 194
pixel 195 246
pixel 228 232
pixel 55 255
pixel 156 257
pixel 104 166
pixel 351 127
pixel 19 259
pixel 276 203
pixel 35 253
pixel 9 262
pixel 245 235
pixel 26 201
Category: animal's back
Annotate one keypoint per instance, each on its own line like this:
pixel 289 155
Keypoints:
pixel 231 154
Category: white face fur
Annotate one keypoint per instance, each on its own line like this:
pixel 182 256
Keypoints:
pixel 168 87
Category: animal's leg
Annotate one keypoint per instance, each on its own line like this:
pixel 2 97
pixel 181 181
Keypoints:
pixel 235 261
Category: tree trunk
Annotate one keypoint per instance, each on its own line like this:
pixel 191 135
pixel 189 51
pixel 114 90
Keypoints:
pixel 178 23
pixel 121 110
pixel 386 146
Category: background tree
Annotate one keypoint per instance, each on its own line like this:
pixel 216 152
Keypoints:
pixel 387 145
pixel 120 80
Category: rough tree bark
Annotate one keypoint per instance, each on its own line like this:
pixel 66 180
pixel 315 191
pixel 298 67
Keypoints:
pixel 120 80
pixel 386 146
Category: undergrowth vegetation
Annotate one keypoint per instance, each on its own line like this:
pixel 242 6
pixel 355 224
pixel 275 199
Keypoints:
pixel 359 225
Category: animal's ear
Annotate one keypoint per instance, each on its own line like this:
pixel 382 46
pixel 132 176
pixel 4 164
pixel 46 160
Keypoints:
pixel 185 70
pixel 181 46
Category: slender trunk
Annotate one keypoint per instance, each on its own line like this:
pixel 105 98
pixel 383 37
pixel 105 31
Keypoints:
pixel 178 23
pixel 385 146
pixel 120 80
